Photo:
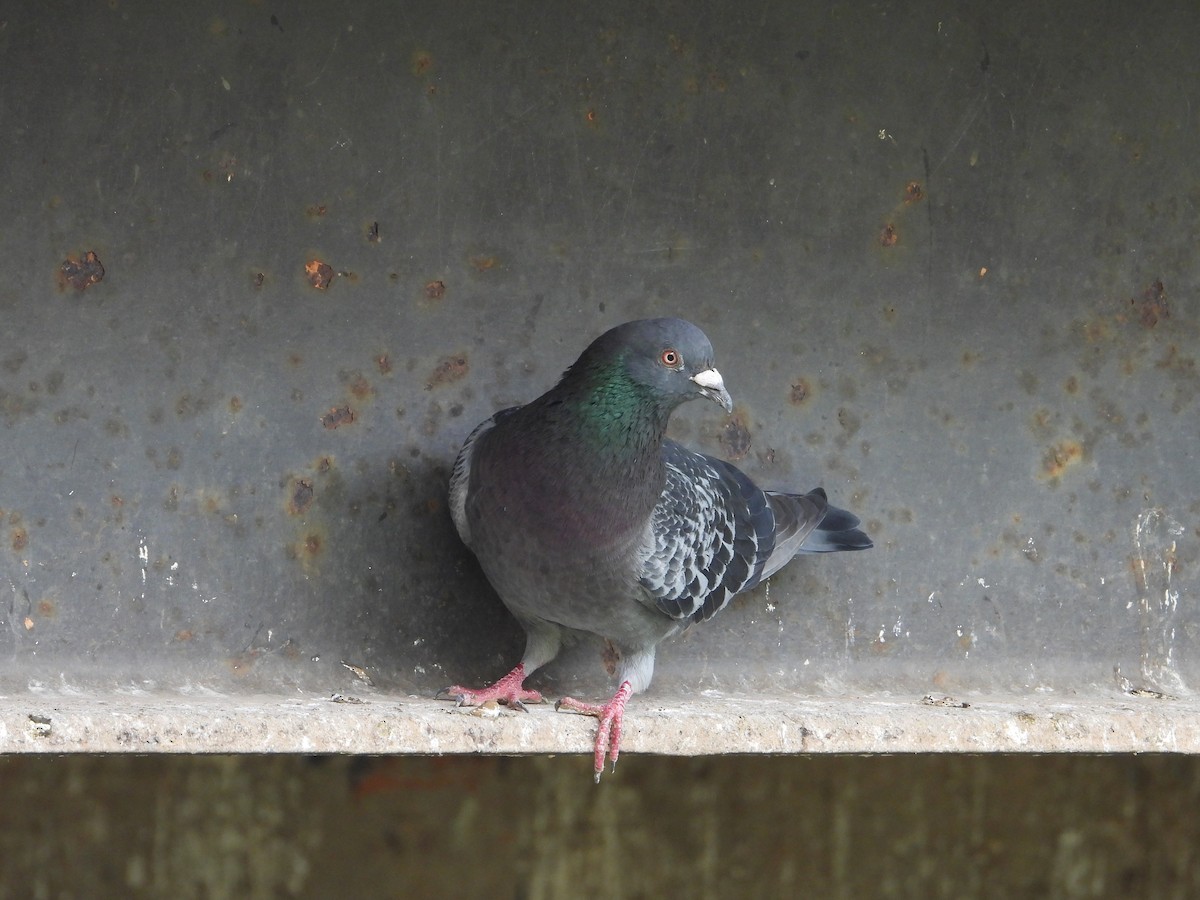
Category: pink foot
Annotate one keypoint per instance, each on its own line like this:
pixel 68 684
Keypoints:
pixel 608 738
pixel 509 690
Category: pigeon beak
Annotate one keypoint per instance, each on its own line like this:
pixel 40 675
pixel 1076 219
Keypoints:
pixel 712 386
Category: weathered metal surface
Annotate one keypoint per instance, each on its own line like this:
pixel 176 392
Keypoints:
pixel 947 259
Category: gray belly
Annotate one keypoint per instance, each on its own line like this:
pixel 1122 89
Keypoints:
pixel 573 589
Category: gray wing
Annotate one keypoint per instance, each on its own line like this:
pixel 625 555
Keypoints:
pixel 460 477
pixel 715 534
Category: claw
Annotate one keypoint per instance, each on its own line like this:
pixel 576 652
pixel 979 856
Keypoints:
pixel 608 736
pixel 509 690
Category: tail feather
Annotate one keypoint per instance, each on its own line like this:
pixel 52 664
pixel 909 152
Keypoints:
pixel 812 525
pixel 828 541
pixel 838 530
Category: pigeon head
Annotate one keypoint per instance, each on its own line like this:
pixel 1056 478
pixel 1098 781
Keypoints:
pixel 669 360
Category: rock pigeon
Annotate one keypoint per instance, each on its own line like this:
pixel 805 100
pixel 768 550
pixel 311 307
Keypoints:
pixel 586 518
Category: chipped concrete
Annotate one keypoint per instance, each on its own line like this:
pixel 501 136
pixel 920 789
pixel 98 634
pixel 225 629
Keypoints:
pixel 691 727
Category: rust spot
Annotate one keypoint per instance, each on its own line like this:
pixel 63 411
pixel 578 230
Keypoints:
pixel 913 192
pixel 450 369
pixel 360 387
pixel 235 404
pixel 735 437
pixel 1151 306
pixel 422 62
pixel 324 464
pixel 20 538
pixel 184 634
pixel 187 406
pixel 590 116
pixel 1097 331
pixel 1071 386
pixel 316 211
pixel 1061 457
pixel 80 274
pixel 301 498
pixel 117 501
pixel 849 421
pixel 435 290
pixel 311 545
pixel 1137 567
pixel 888 236
pixel 384 363
pixel 319 274
pixel 337 417
pixel 1040 422
pixel 241 664
pixel 258 279
pixel 1173 360
pixel 800 392
pixel 484 263
pixel 47 608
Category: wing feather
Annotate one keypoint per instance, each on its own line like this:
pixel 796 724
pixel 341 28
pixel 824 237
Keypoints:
pixel 460 476
pixel 712 534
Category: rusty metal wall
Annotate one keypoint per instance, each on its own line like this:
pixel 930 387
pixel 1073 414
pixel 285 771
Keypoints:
pixel 946 253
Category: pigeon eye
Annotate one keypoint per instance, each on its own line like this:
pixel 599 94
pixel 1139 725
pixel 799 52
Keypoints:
pixel 671 358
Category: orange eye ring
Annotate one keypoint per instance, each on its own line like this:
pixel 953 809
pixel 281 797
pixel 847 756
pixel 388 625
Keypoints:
pixel 671 358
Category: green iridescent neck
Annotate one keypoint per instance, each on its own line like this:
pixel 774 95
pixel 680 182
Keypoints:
pixel 616 411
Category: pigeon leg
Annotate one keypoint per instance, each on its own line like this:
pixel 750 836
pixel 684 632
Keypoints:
pixel 509 690
pixel 608 738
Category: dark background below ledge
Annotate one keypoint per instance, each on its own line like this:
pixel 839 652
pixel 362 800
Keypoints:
pixel 961 827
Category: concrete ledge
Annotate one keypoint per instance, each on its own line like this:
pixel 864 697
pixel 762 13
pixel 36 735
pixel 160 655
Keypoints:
pixel 132 723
